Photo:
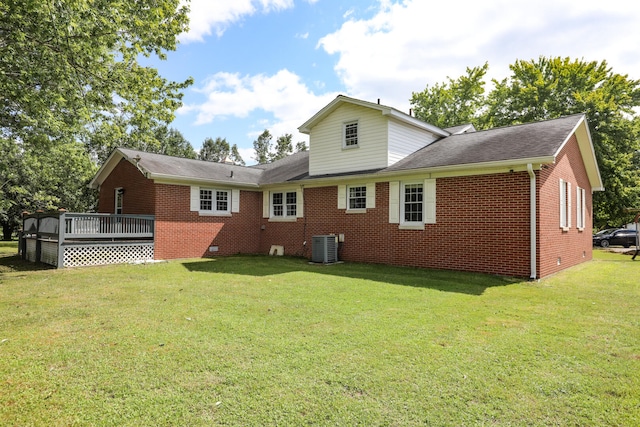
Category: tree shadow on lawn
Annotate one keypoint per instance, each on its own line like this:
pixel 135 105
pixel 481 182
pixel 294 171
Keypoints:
pixel 13 263
pixel 442 280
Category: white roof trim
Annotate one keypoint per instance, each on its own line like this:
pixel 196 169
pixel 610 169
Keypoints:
pixel 385 110
pixel 585 144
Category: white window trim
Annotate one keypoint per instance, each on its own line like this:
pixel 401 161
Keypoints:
pixel 213 211
pixel 580 208
pixel 403 222
pixel 396 204
pixel 118 197
pixel 268 206
pixel 565 205
pixel 344 135
pixel 233 201
pixel 344 193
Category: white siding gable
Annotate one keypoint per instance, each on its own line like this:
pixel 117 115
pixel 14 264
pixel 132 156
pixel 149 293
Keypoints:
pixel 326 152
pixel 405 139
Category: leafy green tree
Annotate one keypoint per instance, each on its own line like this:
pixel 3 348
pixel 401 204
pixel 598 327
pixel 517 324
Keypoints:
pixel 283 147
pixel 172 143
pixel 220 151
pixel 72 88
pixel 301 146
pixel 552 87
pixel 262 147
pixel 214 150
pixel 45 176
pixel 235 156
pixel 69 69
pixel 453 103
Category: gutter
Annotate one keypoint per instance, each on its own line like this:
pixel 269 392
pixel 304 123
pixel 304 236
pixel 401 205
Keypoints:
pixel 532 219
pixel 173 179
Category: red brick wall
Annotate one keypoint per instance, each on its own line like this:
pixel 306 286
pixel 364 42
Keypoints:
pixel 138 191
pixel 482 222
pixel 482 225
pixel 562 249
pixel 181 233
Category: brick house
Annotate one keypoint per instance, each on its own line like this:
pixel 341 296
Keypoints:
pixel 512 201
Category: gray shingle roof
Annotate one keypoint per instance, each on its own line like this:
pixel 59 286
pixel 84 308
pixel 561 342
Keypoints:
pixel 160 165
pixel 540 140
pixel 520 142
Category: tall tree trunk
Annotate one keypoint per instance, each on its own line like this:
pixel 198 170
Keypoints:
pixel 7 231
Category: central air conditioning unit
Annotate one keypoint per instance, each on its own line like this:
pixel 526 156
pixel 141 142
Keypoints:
pixel 324 249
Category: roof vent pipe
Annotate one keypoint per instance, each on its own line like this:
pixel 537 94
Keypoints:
pixel 410 111
pixel 378 101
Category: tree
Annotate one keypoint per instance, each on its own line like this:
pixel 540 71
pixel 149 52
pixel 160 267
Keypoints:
pixel 172 143
pixel 42 177
pixel 266 153
pixel 71 69
pixel 235 156
pixel 553 87
pixel 72 88
pixel 214 151
pixel 262 147
pixel 220 151
pixel 301 146
pixel 283 148
pixel 453 103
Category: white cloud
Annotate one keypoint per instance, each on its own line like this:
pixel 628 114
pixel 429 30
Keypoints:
pixel 282 97
pixel 407 45
pixel 215 16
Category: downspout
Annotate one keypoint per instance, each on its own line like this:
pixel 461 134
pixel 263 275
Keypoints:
pixel 532 219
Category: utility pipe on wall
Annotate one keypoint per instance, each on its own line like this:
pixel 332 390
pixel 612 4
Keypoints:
pixel 532 218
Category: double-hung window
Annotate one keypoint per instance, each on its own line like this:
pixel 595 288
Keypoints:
pixel 412 206
pixel 580 208
pixel 214 201
pixel 350 139
pixel 357 197
pixel 565 205
pixel 284 204
pixel 119 199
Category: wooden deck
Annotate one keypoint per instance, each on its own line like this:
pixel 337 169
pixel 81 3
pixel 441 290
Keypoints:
pixel 67 239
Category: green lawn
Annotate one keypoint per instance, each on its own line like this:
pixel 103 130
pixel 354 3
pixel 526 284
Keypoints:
pixel 255 341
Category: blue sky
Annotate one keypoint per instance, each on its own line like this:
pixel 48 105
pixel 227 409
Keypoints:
pixel 271 64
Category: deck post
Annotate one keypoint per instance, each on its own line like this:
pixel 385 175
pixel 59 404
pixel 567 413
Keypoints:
pixel 38 242
pixel 62 225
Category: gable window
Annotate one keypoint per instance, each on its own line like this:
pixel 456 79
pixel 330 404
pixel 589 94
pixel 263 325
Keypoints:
pixel 358 197
pixel 565 205
pixel 580 208
pixel 284 205
pixel 412 207
pixel 214 201
pixel 119 198
pixel 350 135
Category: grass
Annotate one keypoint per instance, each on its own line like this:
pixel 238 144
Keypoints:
pixel 254 340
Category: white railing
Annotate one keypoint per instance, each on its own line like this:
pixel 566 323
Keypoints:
pixel 53 238
pixel 97 226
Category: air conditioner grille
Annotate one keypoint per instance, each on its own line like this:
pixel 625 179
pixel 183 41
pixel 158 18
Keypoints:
pixel 324 249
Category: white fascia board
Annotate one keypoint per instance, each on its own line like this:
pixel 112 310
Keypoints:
pixel 385 110
pixel 477 168
pixel 415 122
pixel 107 167
pixel 585 144
pixel 437 172
pixel 181 180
